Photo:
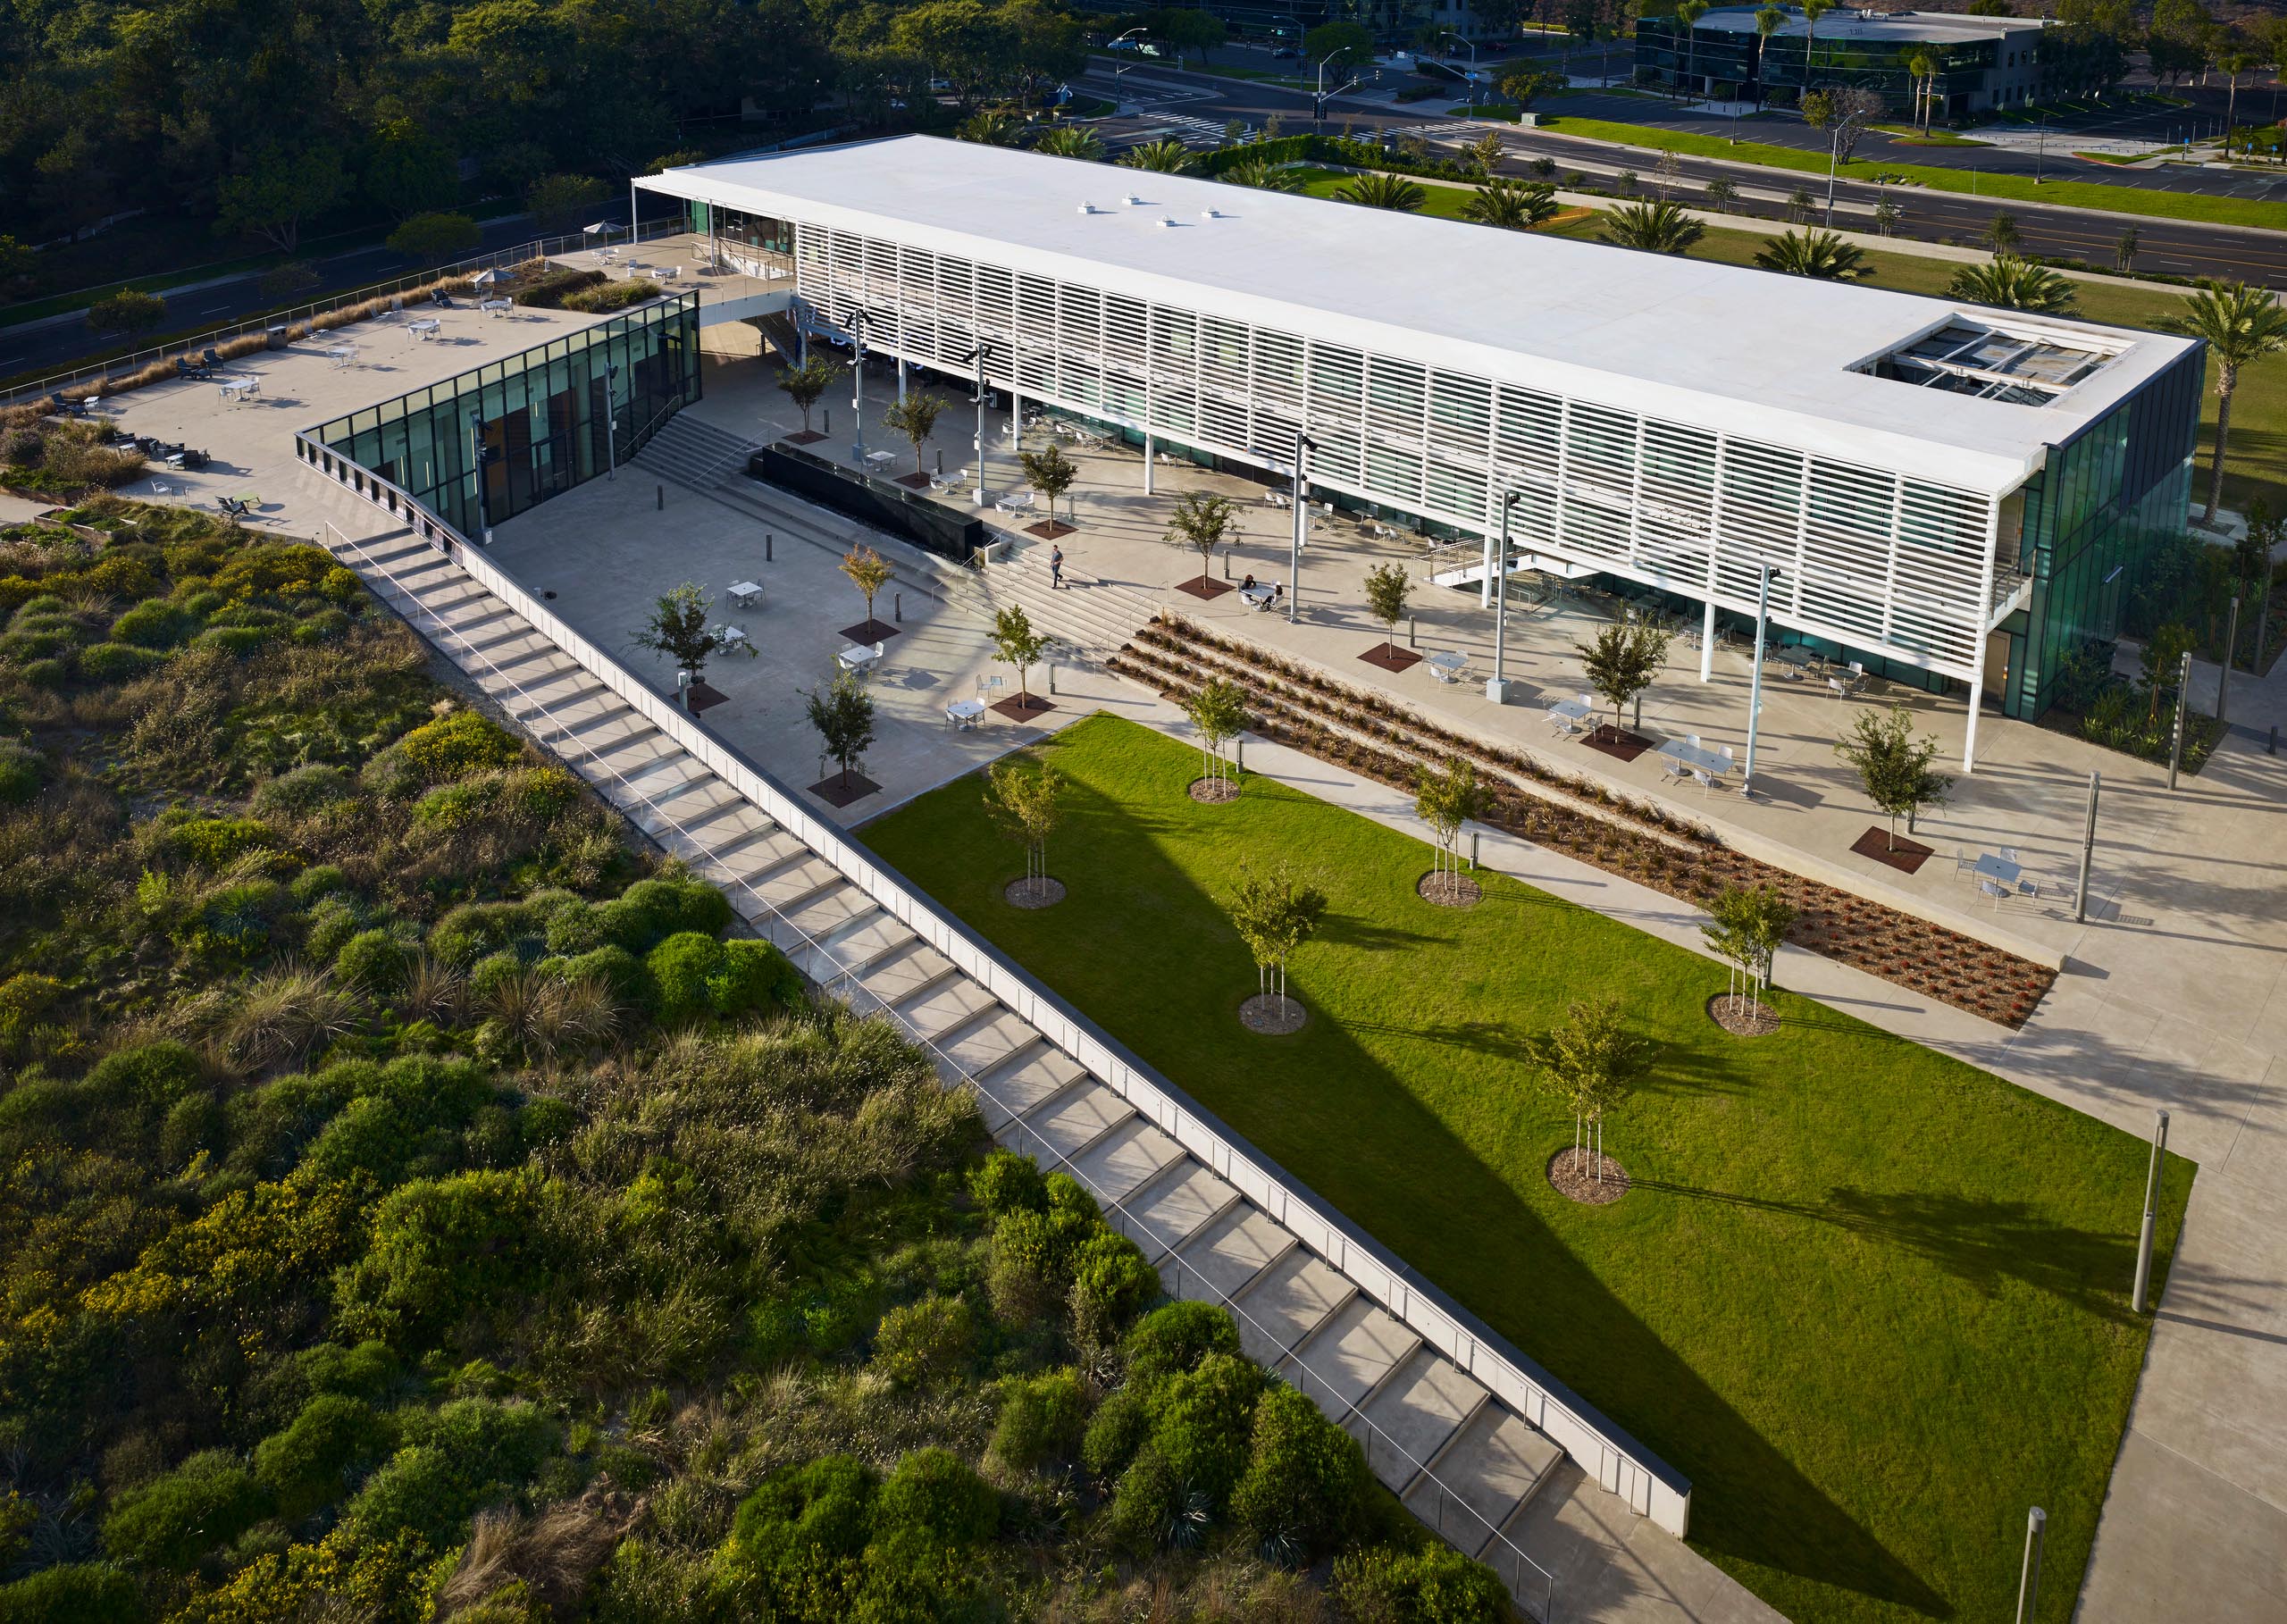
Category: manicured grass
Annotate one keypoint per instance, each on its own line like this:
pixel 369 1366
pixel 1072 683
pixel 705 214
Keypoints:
pixel 1871 1299
pixel 2075 194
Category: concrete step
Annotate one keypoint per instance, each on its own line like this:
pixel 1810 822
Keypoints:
pixel 946 1007
pixel 698 802
pixel 1077 1118
pixel 1356 1350
pixel 1412 1414
pixel 1286 1303
pixel 1218 1261
pixel 1020 1083
pixel 827 909
pixel 1177 1205
pixel 1126 1160
pixel 987 1045
pixel 905 973
pixel 863 942
pixel 1482 1478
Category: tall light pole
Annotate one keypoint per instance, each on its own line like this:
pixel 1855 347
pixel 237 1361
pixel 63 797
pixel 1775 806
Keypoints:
pixel 1497 686
pixel 477 462
pixel 978 356
pixel 2029 1577
pixel 1843 126
pixel 1303 446
pixel 1763 573
pixel 611 422
pixel 859 317
pixel 2151 1209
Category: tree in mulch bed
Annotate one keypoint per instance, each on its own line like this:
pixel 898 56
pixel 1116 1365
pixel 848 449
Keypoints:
pixel 1026 803
pixel 1746 925
pixel 679 629
pixel 915 416
pixel 1387 587
pixel 1622 663
pixel 1218 708
pixel 1275 913
pixel 1018 644
pixel 842 713
pixel 1202 523
pixel 1446 798
pixel 869 573
pixel 1052 474
pixel 806 385
pixel 1591 1063
pixel 1894 765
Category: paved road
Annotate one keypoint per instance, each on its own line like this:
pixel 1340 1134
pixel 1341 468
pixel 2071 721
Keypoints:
pixel 60 343
pixel 1196 106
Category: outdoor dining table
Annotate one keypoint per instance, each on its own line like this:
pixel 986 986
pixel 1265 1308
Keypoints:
pixel 427 327
pixel 341 354
pixel 856 658
pixel 732 636
pixel 1448 664
pixel 1688 755
pixel 1261 594
pixel 965 713
pixel 745 593
pixel 1991 868
pixel 241 389
pixel 496 307
pixel 1569 710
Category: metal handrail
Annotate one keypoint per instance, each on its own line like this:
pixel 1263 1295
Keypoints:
pixel 123 365
pixel 1618 1463
pixel 846 982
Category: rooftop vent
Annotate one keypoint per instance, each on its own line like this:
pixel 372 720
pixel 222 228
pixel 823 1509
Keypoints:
pixel 1166 224
pixel 1088 208
pixel 1134 202
pixel 1210 213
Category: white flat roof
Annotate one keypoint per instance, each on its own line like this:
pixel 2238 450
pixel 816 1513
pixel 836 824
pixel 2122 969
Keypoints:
pixel 1748 352
pixel 1902 27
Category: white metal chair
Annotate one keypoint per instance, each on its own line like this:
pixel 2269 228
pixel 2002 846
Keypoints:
pixel 1993 889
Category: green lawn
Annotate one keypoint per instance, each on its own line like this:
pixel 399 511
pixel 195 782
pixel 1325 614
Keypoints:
pixel 2077 194
pixel 2259 461
pixel 1869 1299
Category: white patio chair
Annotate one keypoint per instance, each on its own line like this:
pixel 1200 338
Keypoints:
pixel 1993 889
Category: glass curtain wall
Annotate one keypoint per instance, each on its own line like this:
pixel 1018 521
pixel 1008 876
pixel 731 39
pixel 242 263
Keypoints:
pixel 539 417
pixel 2091 520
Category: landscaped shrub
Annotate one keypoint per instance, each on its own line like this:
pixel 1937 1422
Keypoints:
pixel 76 1593
pixel 1042 1419
pixel 454 1459
pixel 174 1520
pixel 1111 1283
pixel 457 744
pixel 319 879
pixel 22 771
pixel 155 625
pixel 935 1493
pixel 923 1342
pixel 237 642
pixel 373 961
pixel 302 791
pixel 1202 1421
pixel 1006 1182
pixel 680 970
pixel 1147 1506
pixel 548 289
pixel 155 1075
pixel 1305 1479
pixel 333 1441
pixel 1172 1340
pixel 215 842
pixel 118 662
pixel 613 966
pixel 611 296
pixel 1434 1584
pixel 442 1250
pixel 799 1537
pixel 1120 1426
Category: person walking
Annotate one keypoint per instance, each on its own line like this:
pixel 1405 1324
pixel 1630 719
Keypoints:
pixel 1056 569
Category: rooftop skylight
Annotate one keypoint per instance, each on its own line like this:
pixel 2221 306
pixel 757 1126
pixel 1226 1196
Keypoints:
pixel 1969 357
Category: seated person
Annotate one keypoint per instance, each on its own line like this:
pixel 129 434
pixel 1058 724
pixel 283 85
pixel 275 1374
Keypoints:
pixel 1247 585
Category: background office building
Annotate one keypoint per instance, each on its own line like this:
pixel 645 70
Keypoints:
pixel 1983 62
pixel 1955 496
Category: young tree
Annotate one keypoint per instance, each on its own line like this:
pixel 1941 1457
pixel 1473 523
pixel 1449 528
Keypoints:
pixel 1275 914
pixel 2240 325
pixel 1446 798
pixel 1623 662
pixel 1218 710
pixel 1893 763
pixel 915 418
pixel 1025 803
pixel 679 631
pixel 1202 523
pixel 868 572
pixel 1513 206
pixel 843 715
pixel 1387 586
pixel 1016 641
pixel 2002 236
pixel 1591 1063
pixel 1746 925
pixel 1720 195
pixel 1486 151
pixel 127 312
pixel 1051 473
pixel 2123 251
pixel 806 384
pixel 2251 560
pixel 2162 662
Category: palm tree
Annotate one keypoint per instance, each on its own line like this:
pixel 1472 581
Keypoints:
pixel 1822 256
pixel 1812 9
pixel 2233 63
pixel 1514 206
pixel 2239 324
pixel 1071 142
pixel 1688 14
pixel 1162 157
pixel 991 129
pixel 2013 284
pixel 1380 191
pixel 1656 227
pixel 1768 21
pixel 1264 177
pixel 1922 68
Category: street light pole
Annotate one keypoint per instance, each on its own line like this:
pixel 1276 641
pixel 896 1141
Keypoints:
pixel 1497 686
pixel 2087 855
pixel 1834 159
pixel 611 422
pixel 1303 446
pixel 477 462
pixel 1763 573
pixel 858 318
pixel 2151 1209
pixel 2184 704
pixel 2029 1577
pixel 978 356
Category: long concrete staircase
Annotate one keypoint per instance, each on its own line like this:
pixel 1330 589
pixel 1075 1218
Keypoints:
pixel 1465 1463
pixel 1090 616
pixel 694 453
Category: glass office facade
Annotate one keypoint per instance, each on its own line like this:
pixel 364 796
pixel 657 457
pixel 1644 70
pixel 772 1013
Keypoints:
pixel 548 419
pixel 2091 521
pixel 1729 61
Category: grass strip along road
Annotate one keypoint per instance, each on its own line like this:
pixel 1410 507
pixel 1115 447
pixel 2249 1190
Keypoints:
pixel 1871 1299
pixel 2063 194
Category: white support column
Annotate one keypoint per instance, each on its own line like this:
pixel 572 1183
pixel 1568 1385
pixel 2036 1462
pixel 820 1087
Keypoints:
pixel 1150 446
pixel 1976 701
pixel 1016 409
pixel 901 380
pixel 1984 633
pixel 1484 587
pixel 1707 624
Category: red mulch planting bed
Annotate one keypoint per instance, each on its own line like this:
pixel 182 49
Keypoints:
pixel 1024 708
pixel 702 695
pixel 1051 530
pixel 806 437
pixel 1573 1174
pixel 914 482
pixel 1205 588
pixel 1907 855
pixel 870 632
pixel 835 792
pixel 1616 743
pixel 1390 657
pixel 1371 735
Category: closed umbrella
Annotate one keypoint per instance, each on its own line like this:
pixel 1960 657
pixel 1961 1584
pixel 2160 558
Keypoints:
pixel 486 279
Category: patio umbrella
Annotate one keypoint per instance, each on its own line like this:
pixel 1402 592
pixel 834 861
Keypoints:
pixel 597 229
pixel 486 279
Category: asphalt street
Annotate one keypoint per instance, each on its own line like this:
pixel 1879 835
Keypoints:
pixel 60 343
pixel 1195 107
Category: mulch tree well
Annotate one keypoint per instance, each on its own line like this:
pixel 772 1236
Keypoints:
pixel 1616 743
pixel 1023 707
pixel 1450 889
pixel 1213 792
pixel 1741 1017
pixel 1574 1176
pixel 1390 657
pixel 1051 530
pixel 805 437
pixel 1041 892
pixel 1272 1016
pixel 870 632
pixel 1205 587
pixel 1907 855
pixel 838 791
pixel 698 696
pixel 914 482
